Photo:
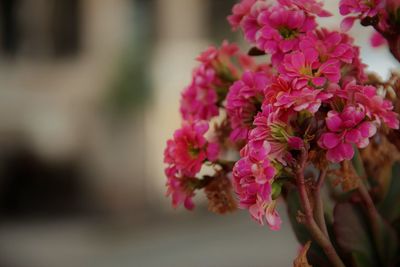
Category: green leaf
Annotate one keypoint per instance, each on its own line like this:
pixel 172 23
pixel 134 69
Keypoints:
pixel 389 207
pixel 359 260
pixel 353 236
pixel 387 243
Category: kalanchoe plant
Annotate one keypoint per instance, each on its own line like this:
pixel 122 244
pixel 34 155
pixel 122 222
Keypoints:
pixel 308 125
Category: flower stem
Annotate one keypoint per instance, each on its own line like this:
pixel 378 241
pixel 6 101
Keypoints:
pixel 319 206
pixel 394 46
pixel 310 223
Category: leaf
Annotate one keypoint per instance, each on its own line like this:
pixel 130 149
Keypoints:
pixel 301 259
pixel 353 236
pixel 359 260
pixel 387 243
pixel 389 207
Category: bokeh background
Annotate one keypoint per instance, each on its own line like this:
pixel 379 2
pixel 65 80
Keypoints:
pixel 89 93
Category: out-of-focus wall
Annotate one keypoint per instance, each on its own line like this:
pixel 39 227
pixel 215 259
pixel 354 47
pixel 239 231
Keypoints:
pixel 52 104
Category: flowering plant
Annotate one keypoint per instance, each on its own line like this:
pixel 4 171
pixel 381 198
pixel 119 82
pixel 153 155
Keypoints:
pixel 304 122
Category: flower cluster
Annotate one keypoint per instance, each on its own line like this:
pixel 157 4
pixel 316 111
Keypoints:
pixel 185 155
pixel 382 15
pixel 211 80
pixel 310 93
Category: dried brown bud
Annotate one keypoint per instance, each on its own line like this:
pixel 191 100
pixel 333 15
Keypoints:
pixel 220 195
pixel 378 159
pixel 346 176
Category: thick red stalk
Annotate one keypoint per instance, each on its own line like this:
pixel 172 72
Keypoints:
pixel 319 206
pixel 394 46
pixel 310 223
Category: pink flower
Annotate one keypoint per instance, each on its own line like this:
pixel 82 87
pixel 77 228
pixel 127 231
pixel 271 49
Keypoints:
pixel 377 39
pixel 303 99
pixel 309 6
pixel 360 9
pixel 282 29
pixel 336 46
pixel 214 56
pixel 329 45
pixel 239 11
pixel 344 130
pixel 176 188
pixel 270 125
pixel 251 24
pixel 364 8
pixel 244 102
pixel 355 70
pixel 188 149
pixel 376 107
pixel 252 178
pixel 282 94
pixel 211 80
pixel 267 213
pixel 199 99
pixel 304 68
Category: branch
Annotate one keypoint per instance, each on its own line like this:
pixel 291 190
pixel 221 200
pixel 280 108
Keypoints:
pixel 319 206
pixel 311 225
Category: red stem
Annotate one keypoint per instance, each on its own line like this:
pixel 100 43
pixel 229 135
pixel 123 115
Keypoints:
pixel 311 225
pixel 394 46
pixel 319 206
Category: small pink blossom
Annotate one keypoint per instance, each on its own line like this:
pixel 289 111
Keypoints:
pixel 214 55
pixel 267 213
pixel 177 190
pixel 252 178
pixel 303 99
pixel 244 102
pixel 211 80
pixel 282 28
pixel 376 107
pixel 199 99
pixel 364 8
pixel 329 45
pixel 281 93
pixel 239 11
pixel 251 24
pixel 310 6
pixel 305 68
pixel 344 130
pixel 188 149
pixel 270 125
pixel 359 9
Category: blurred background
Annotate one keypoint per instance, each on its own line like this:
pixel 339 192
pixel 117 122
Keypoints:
pixel 89 93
